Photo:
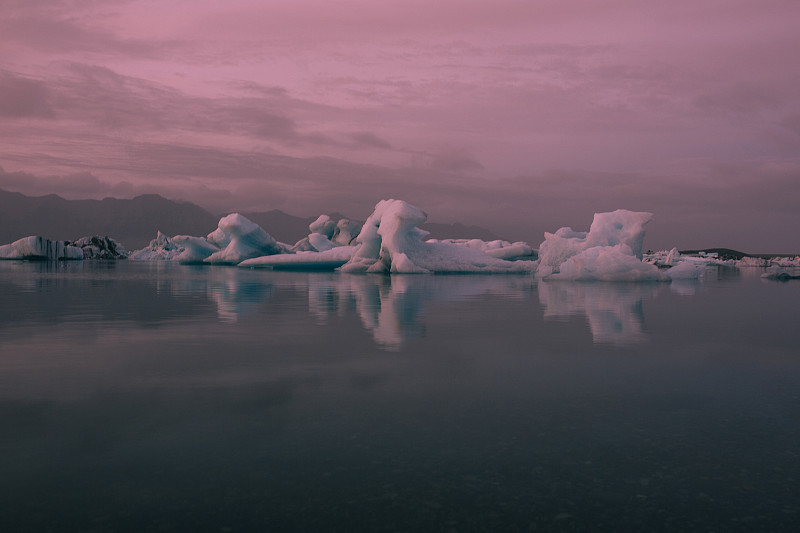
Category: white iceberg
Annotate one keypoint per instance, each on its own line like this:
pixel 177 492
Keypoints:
pixel 607 230
pixel 160 249
pixel 240 239
pixel 748 261
pixel 35 247
pixel 782 273
pixel 324 226
pixel 610 251
pixel 194 249
pixel 346 232
pixel 307 260
pixel 390 241
pixel 499 249
pixel 327 234
pixel 605 263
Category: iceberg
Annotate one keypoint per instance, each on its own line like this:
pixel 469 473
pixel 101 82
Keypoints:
pixel 194 249
pixel 510 251
pixel 39 248
pixel 97 247
pixel 160 249
pixel 323 226
pixel 327 234
pixel 610 251
pixel 605 263
pixel 304 260
pixel 782 273
pixel 391 242
pixel 240 239
pixel 608 230
pixel 346 232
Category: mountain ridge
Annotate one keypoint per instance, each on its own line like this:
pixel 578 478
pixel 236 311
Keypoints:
pixel 134 222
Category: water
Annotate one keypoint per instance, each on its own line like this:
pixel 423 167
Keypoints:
pixel 160 397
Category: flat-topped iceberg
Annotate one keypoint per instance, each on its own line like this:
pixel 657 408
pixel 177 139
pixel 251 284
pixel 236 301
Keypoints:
pixel 39 248
pixel 499 249
pixel 328 260
pixel 391 242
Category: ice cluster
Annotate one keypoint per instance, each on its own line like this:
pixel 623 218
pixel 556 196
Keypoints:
pixel 391 241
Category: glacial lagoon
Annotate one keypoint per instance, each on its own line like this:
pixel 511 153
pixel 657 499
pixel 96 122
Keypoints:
pixel 166 397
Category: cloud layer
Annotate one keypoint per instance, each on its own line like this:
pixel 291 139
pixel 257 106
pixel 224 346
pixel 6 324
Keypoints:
pixel 521 116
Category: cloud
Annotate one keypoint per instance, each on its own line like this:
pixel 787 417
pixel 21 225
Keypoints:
pixel 455 160
pixel 365 138
pixel 22 97
pixel 61 35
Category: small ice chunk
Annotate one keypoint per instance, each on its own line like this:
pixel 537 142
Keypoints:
pixel 346 232
pixel 320 242
pixel 160 249
pixel 195 249
pixel 323 225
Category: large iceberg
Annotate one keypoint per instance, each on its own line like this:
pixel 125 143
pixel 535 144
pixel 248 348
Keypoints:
pixel 610 251
pixel 240 239
pixel 391 242
pixel 39 248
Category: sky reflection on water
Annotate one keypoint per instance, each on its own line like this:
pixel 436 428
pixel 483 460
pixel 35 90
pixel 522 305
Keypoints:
pixel 151 396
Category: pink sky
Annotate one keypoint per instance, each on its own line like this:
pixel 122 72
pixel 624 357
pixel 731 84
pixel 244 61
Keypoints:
pixel 521 116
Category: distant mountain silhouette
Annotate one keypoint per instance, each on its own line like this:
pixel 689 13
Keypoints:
pixel 135 222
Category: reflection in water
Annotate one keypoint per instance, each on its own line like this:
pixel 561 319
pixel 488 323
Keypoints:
pixel 392 308
pixel 166 398
pixel 613 310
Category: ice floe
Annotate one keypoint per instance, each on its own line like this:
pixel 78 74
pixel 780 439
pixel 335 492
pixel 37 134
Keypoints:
pixel 39 248
pixel 782 273
pixel 499 249
pixel 307 260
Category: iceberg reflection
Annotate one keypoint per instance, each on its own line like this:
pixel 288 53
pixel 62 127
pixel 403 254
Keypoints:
pixel 392 308
pixel 613 310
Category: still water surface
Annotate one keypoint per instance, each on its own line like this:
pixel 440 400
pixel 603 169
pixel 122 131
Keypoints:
pixel 153 396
